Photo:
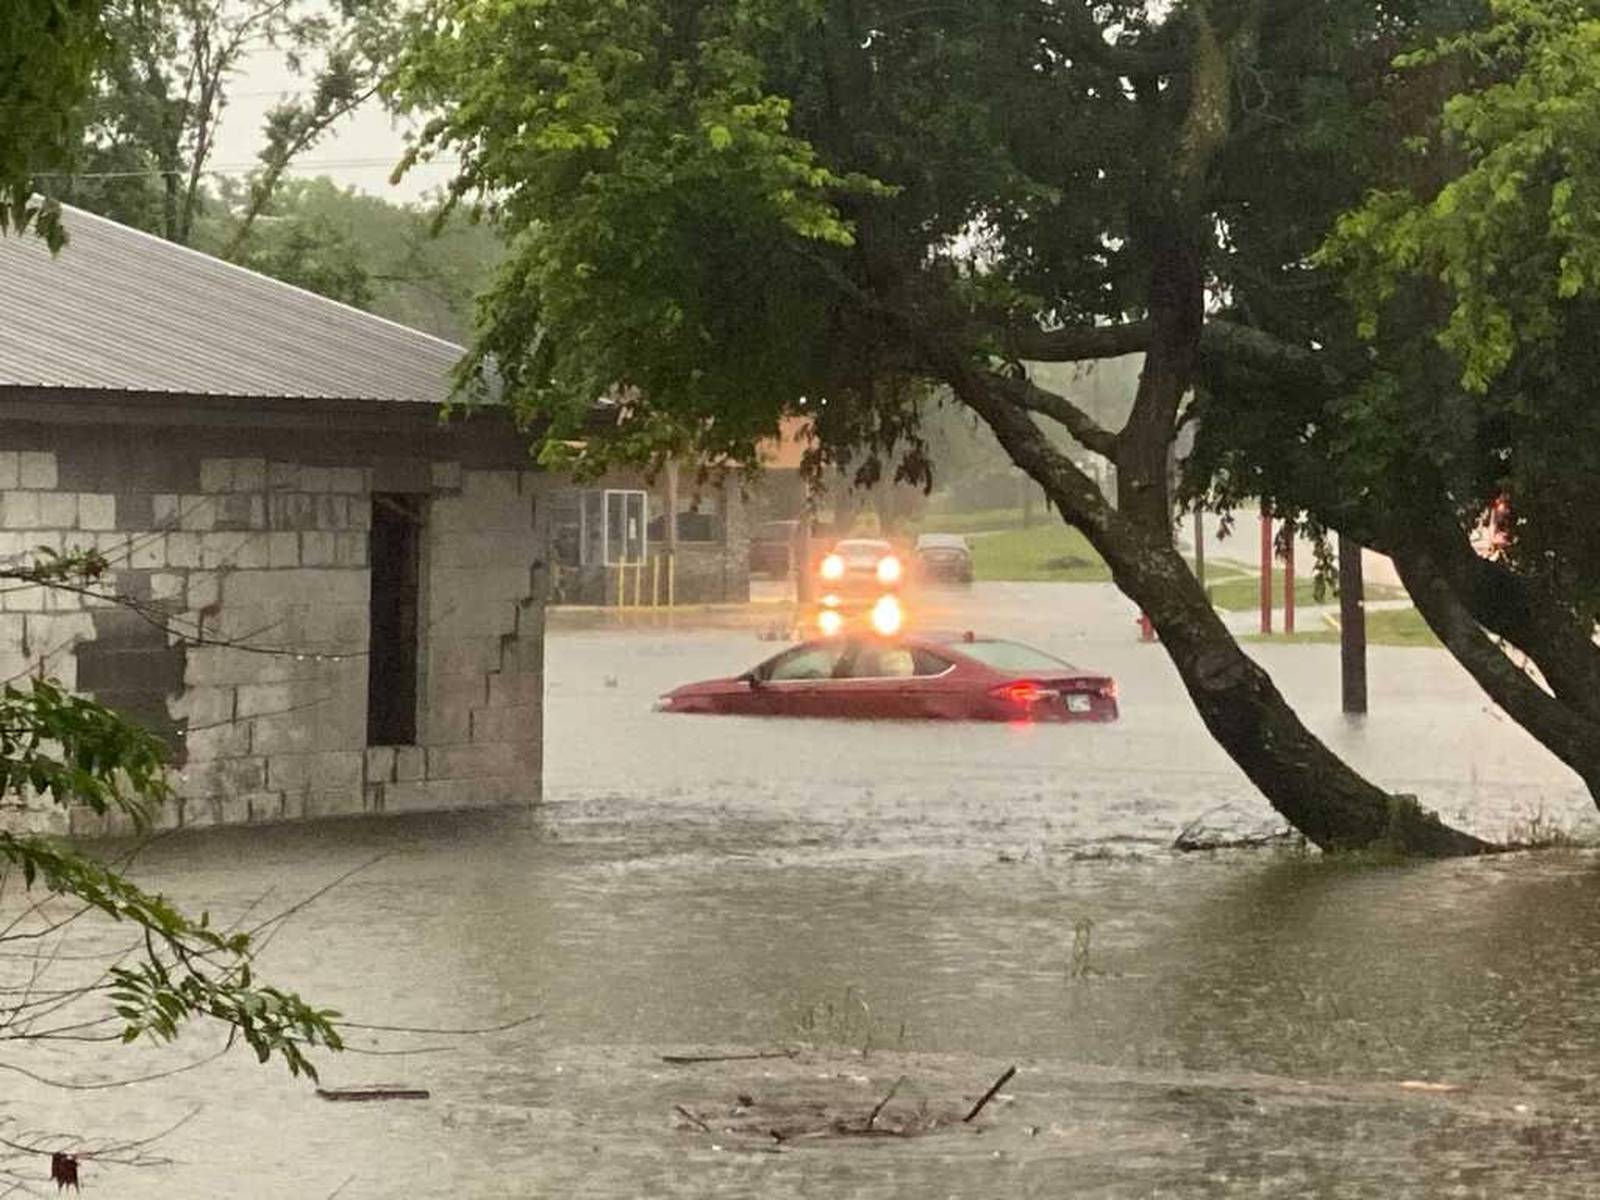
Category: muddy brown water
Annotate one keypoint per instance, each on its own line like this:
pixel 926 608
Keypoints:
pixel 927 902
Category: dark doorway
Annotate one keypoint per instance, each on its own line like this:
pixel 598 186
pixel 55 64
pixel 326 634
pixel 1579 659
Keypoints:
pixel 392 645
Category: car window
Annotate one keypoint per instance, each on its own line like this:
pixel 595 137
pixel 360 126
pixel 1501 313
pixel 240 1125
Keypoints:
pixel 883 662
pixel 895 662
pixel 1011 656
pixel 807 662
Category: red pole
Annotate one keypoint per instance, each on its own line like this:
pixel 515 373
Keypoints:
pixel 1266 570
pixel 1288 589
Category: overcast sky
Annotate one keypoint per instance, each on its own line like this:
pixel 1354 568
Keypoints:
pixel 360 152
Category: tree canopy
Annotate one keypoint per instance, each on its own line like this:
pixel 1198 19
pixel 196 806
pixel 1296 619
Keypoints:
pixel 49 52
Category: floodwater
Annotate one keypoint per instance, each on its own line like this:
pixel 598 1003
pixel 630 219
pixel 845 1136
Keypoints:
pixel 893 902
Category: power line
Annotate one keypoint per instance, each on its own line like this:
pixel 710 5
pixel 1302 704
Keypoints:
pixel 245 168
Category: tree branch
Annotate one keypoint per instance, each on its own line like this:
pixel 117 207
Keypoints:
pixel 1084 428
pixel 1077 343
pixel 1228 342
pixel 1221 342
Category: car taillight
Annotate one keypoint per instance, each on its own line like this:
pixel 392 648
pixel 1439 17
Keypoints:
pixel 1107 689
pixel 1023 692
pixel 889 569
pixel 833 567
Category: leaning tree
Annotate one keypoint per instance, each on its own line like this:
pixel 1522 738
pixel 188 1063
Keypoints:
pixel 729 206
pixel 1455 316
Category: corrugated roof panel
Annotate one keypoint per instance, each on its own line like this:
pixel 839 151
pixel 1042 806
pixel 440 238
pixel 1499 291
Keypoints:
pixel 122 310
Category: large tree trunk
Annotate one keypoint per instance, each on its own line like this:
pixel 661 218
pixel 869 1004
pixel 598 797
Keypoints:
pixel 1313 788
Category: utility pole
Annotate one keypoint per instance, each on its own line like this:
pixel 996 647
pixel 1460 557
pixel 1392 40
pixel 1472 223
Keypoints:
pixel 671 524
pixel 1352 628
pixel 1288 588
pixel 800 559
pixel 1266 570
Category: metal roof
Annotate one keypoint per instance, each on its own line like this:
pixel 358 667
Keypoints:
pixel 123 310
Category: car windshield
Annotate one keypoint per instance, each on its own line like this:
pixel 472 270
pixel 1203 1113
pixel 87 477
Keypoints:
pixel 775 531
pixel 1011 656
pixel 861 551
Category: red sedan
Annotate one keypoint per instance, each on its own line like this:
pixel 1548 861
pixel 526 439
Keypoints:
pixel 959 677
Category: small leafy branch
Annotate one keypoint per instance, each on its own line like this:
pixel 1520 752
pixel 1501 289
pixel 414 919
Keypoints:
pixel 72 750
pixel 69 751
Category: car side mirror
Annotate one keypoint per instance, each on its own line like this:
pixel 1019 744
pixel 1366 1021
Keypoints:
pixel 755 681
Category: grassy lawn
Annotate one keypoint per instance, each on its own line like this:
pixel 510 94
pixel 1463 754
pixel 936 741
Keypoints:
pixel 1385 627
pixel 982 520
pixel 1051 552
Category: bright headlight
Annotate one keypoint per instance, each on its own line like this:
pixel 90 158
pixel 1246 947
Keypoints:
pixel 829 622
pixel 889 569
pixel 833 567
pixel 887 616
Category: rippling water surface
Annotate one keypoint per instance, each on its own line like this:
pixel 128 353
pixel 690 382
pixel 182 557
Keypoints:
pixel 928 902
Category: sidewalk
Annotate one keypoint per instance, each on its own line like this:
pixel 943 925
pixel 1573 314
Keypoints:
pixel 758 614
pixel 1307 617
pixel 1243 548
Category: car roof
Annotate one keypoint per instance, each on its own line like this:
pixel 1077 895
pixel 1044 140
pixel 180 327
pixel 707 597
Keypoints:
pixel 951 640
pixel 874 544
pixel 923 638
pixel 940 539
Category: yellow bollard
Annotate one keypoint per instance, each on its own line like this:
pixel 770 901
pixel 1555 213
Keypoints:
pixel 655 582
pixel 672 580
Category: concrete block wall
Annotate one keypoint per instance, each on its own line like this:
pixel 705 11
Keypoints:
pixel 481 715
pixel 718 572
pixel 248 649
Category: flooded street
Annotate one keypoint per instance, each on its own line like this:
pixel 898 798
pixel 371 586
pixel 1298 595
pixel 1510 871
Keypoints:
pixel 921 901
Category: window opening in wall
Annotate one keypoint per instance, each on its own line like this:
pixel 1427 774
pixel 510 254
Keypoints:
pixel 699 515
pixel 392 648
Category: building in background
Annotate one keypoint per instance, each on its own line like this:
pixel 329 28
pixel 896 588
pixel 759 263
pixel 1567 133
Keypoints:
pixel 630 541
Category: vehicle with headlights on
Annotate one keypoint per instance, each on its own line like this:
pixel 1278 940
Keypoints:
pixel 858 589
pixel 952 677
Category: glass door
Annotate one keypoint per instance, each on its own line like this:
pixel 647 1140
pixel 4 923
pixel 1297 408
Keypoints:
pixel 627 539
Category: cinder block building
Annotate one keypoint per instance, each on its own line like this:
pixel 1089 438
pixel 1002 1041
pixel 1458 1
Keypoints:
pixel 326 598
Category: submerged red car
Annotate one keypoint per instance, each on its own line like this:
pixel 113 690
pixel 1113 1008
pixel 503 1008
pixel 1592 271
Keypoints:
pixel 957 677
